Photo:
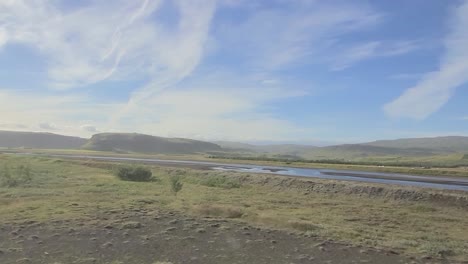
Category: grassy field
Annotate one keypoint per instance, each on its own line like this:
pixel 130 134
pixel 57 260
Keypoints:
pixel 461 171
pixel 412 227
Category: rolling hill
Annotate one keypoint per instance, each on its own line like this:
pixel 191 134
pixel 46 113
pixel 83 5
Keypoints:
pixel 449 144
pixel 15 139
pixel 133 142
pixel 140 143
pixel 411 147
pixel 286 149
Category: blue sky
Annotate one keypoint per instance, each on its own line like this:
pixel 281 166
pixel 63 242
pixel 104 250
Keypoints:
pixel 255 71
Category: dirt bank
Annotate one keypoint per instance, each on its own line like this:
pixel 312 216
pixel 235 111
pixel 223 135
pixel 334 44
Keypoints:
pixel 148 237
pixel 308 185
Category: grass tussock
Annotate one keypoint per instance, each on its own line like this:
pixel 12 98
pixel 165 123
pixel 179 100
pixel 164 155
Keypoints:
pixel 219 211
pixel 303 226
pixel 220 182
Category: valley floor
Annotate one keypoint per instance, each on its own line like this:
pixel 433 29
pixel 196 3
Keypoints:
pixel 79 212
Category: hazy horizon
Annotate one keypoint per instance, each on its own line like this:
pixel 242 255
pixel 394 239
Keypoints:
pixel 302 72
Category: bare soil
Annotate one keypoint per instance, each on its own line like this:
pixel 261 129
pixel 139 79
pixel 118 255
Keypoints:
pixel 145 236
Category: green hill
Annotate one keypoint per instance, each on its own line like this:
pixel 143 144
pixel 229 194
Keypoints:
pixel 403 148
pixel 449 144
pixel 279 149
pixel 133 142
pixel 354 151
pixel 15 139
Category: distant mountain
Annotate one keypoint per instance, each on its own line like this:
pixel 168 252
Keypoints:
pixel 350 151
pixel 451 143
pixel 231 145
pixel 410 147
pixel 280 149
pixel 15 139
pixel 133 142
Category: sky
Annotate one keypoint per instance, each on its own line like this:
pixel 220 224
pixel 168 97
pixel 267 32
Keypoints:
pixel 296 71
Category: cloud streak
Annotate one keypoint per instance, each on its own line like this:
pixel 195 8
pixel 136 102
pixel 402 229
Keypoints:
pixel 371 50
pixel 76 43
pixel 281 37
pixel 435 89
pixel 103 40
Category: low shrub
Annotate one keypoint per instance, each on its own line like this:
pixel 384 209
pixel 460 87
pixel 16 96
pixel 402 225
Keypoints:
pixel 134 173
pixel 176 184
pixel 221 182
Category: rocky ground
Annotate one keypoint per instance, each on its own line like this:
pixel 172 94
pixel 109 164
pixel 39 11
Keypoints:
pixel 145 236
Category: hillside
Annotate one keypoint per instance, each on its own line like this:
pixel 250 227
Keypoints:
pixel 410 148
pixel 15 139
pixel 238 146
pixel 352 151
pixel 279 149
pixel 133 142
pixel 450 144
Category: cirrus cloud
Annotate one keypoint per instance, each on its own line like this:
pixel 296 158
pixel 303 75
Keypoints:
pixel 435 89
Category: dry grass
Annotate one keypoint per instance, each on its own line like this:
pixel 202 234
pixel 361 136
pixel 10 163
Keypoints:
pixel 304 226
pixel 413 227
pixel 218 211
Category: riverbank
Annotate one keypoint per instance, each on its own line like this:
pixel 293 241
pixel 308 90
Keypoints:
pixel 446 183
pixel 426 171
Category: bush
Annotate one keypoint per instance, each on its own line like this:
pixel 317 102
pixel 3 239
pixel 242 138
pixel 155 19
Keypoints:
pixel 15 177
pixel 134 173
pixel 221 182
pixel 176 184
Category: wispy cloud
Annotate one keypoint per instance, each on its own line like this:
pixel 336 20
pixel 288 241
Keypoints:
pixel 405 76
pixel 103 40
pixel 38 111
pixel 82 46
pixel 274 38
pixel 435 89
pixel 181 52
pixel 370 50
pixel 198 74
pixel 218 105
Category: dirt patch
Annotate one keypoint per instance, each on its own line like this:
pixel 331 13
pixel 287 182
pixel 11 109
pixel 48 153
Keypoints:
pixel 157 236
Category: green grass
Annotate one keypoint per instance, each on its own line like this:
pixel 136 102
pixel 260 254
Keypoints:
pixel 414 227
pixel 19 175
pixel 221 181
pixel 448 163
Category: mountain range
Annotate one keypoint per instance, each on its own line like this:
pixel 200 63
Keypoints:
pixel 140 143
